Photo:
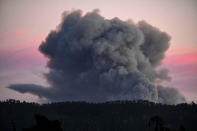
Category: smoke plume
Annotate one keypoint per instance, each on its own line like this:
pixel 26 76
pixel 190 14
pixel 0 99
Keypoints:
pixel 95 59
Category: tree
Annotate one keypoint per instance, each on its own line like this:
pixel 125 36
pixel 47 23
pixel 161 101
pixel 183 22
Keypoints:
pixel 43 124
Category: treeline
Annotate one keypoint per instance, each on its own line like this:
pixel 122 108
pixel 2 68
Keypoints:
pixel 108 116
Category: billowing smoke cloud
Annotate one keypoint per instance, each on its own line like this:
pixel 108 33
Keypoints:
pixel 96 59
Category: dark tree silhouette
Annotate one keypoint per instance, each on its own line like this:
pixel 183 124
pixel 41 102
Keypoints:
pixel 158 125
pixel 13 125
pixel 108 116
pixel 43 124
pixel 182 128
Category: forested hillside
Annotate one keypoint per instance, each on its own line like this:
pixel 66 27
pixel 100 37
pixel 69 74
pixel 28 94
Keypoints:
pixel 109 116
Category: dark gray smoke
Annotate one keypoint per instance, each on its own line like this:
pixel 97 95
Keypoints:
pixel 96 59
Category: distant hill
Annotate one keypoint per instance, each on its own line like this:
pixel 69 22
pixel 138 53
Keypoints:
pixel 109 116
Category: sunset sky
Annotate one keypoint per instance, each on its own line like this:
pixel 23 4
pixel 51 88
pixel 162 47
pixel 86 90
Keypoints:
pixel 24 24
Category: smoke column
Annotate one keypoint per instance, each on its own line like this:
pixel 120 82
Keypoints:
pixel 96 59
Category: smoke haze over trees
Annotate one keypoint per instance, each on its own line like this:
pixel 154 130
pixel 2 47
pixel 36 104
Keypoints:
pixel 94 59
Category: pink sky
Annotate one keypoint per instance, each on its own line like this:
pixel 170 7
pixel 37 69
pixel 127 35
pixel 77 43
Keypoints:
pixel 25 24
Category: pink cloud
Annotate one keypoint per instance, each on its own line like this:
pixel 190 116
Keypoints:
pixel 28 58
pixel 182 65
pixel 181 59
pixel 24 53
pixel 34 39
pixel 181 50
pixel 13 35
